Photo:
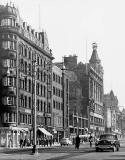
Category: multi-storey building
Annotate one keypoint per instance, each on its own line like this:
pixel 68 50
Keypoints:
pixel 90 77
pixel 25 59
pixel 57 103
pixel 77 123
pixel 113 116
pixel 60 100
pixel 122 122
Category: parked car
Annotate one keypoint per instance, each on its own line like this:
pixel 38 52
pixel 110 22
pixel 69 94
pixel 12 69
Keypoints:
pixel 65 141
pixel 107 141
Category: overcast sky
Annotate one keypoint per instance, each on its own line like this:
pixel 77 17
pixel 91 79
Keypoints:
pixel 73 25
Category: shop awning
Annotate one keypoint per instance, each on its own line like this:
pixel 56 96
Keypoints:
pixel 44 131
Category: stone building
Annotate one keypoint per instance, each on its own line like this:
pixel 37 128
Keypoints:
pixel 90 78
pixel 112 113
pixel 61 85
pixel 25 60
pixel 77 122
pixel 57 103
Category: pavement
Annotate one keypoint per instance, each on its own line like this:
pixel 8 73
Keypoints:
pixel 44 153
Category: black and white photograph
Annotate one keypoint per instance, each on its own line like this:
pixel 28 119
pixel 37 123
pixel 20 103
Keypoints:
pixel 62 82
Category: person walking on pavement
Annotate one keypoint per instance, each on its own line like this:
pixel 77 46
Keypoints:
pixel 90 140
pixel 21 143
pixel 77 142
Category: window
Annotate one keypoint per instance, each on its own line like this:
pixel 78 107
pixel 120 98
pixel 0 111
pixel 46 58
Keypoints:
pixel 21 100
pixel 44 76
pixel 29 102
pixel 29 68
pixel 29 119
pixel 10 81
pixel 53 90
pixel 9 45
pixel 6 63
pixel 25 67
pixel 38 105
pixel 29 54
pixel 29 87
pixel 9 100
pixel 53 76
pixel 8 22
pixel 41 62
pixel 38 60
pixel 54 104
pixel 41 76
pixel 44 91
pixel 41 90
pixel 25 99
pixel 25 52
pixel 37 88
pixel 25 83
pixel 21 49
pixel 37 73
pixel 12 63
pixel 5 81
pixel 41 105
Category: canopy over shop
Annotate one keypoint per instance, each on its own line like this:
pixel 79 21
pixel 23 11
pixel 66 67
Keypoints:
pixel 44 133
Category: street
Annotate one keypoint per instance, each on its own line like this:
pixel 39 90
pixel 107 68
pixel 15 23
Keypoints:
pixel 66 153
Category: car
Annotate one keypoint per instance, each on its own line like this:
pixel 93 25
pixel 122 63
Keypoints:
pixel 65 141
pixel 107 141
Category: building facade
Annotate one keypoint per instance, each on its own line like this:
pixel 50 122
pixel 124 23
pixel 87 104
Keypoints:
pixel 90 77
pixel 77 123
pixel 113 116
pixel 57 103
pixel 63 84
pixel 25 62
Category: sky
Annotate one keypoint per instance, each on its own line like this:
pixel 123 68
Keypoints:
pixel 73 25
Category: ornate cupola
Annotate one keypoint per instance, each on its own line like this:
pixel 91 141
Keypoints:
pixel 94 61
pixel 94 58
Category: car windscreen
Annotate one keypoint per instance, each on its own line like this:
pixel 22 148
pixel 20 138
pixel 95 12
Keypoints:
pixel 111 137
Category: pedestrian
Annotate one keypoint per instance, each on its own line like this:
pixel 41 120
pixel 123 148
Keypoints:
pixel 24 142
pixel 21 143
pixel 77 142
pixel 50 142
pixel 90 140
pixel 73 141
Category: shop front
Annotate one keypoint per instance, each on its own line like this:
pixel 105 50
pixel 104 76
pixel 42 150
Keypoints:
pixel 10 136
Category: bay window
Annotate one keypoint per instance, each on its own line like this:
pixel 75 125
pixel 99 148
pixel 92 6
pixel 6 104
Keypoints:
pixel 10 100
pixel 8 22
pixel 9 45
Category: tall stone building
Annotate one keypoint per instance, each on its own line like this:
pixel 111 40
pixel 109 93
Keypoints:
pixel 113 117
pixel 25 62
pixel 60 103
pixel 90 78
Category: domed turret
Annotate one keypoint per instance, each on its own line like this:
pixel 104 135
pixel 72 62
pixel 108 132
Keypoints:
pixel 9 10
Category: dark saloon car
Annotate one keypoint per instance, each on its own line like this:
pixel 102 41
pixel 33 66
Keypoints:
pixel 107 142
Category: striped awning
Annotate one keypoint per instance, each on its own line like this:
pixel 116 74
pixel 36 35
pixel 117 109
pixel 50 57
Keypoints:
pixel 44 131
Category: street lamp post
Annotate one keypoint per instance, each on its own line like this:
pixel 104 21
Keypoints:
pixel 91 108
pixel 63 102
pixel 34 115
